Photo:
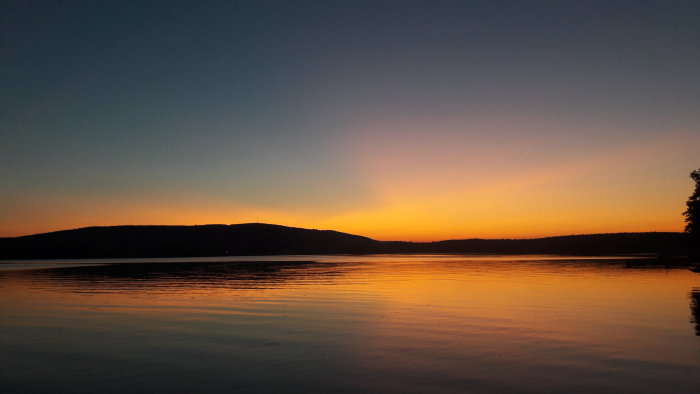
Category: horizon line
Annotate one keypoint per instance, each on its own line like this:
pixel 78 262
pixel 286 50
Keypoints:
pixel 317 229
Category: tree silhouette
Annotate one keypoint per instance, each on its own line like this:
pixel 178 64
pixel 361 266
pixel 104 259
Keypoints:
pixel 695 309
pixel 692 216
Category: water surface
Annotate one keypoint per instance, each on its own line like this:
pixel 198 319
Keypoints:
pixel 407 323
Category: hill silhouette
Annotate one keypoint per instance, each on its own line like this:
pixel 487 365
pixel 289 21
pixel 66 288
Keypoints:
pixel 268 239
pixel 182 241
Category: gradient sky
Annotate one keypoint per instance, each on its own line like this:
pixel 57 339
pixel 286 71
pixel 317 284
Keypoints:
pixel 413 120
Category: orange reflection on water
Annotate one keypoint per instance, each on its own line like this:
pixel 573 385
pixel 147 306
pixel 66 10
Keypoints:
pixel 434 322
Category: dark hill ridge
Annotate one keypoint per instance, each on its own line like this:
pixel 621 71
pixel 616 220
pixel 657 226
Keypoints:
pixel 267 239
pixel 664 244
pixel 182 241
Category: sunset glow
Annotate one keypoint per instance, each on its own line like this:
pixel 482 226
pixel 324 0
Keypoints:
pixel 366 196
pixel 389 122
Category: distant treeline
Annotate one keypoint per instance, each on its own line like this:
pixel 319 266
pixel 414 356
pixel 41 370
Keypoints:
pixel 267 239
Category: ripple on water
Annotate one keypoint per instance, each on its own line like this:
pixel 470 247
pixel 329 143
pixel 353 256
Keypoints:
pixel 410 323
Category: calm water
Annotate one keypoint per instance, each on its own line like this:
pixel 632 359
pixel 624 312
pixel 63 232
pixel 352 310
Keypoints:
pixel 395 324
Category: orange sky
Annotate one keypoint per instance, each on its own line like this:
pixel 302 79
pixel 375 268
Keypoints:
pixel 422 191
pixel 420 122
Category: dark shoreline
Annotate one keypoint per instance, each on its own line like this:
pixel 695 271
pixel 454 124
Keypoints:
pixel 264 239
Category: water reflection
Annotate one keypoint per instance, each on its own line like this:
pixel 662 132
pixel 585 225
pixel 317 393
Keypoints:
pixel 173 276
pixel 695 309
pixel 408 324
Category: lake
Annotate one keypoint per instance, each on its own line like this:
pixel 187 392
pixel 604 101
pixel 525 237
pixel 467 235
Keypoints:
pixel 394 323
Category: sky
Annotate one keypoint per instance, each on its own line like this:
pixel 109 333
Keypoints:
pixel 397 120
